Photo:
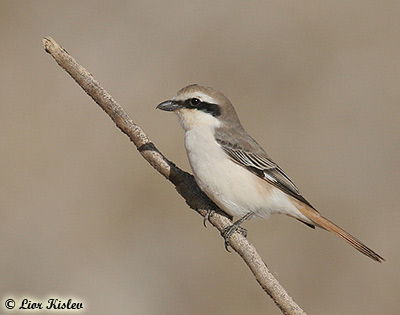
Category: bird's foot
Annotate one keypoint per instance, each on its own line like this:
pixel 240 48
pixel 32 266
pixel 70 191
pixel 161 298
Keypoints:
pixel 235 227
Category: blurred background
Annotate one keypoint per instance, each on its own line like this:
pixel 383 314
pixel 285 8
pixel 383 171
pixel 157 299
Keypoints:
pixel 83 216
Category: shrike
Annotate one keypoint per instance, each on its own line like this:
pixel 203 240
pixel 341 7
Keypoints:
pixel 234 171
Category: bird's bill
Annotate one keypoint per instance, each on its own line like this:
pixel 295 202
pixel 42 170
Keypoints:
pixel 169 106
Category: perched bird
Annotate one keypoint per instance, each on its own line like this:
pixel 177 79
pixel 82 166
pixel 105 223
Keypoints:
pixel 233 170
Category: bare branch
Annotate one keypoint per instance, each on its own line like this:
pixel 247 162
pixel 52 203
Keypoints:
pixel 184 182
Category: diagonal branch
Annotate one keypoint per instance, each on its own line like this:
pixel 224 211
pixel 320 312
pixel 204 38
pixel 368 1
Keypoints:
pixel 183 182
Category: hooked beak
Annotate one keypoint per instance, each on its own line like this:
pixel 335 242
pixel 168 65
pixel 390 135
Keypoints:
pixel 169 106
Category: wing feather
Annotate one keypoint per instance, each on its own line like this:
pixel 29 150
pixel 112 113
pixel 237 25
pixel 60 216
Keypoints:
pixel 263 167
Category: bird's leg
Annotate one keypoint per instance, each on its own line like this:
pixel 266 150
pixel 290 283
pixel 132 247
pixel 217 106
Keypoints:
pixel 207 216
pixel 229 230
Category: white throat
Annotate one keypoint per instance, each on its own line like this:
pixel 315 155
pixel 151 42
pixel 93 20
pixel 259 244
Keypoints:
pixel 192 118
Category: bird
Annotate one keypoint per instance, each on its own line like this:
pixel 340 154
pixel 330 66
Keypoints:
pixel 234 171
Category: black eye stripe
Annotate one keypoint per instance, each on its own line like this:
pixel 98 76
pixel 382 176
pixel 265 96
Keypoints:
pixel 210 108
pixel 213 109
pixel 192 103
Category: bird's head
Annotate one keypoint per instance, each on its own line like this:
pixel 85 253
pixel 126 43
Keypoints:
pixel 196 105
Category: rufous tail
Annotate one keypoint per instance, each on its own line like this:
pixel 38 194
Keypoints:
pixel 328 225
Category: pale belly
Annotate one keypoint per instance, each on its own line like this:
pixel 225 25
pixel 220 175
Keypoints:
pixel 232 187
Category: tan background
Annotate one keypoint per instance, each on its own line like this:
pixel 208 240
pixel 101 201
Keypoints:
pixel 84 216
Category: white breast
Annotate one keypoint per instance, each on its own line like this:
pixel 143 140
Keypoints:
pixel 233 188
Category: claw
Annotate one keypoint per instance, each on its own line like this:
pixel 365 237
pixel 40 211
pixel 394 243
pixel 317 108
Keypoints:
pixel 226 234
pixel 207 217
pixel 227 244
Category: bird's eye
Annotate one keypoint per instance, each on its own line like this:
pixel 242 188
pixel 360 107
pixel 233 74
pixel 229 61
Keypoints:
pixel 194 102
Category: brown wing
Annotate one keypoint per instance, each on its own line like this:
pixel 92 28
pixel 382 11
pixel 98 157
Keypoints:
pixel 263 167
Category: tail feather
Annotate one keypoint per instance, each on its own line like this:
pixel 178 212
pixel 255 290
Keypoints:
pixel 328 225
